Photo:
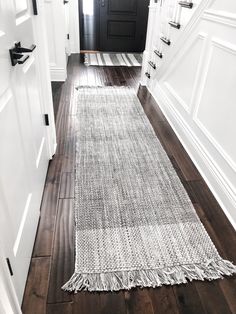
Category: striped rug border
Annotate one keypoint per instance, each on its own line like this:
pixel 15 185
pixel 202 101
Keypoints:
pixel 113 59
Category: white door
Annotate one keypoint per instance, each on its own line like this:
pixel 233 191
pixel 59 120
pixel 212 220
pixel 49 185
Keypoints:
pixel 23 141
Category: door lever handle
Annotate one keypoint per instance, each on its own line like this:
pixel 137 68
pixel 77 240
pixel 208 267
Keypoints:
pixel 19 49
pixel 23 59
pixel 17 53
pixel 17 58
pixel 65 1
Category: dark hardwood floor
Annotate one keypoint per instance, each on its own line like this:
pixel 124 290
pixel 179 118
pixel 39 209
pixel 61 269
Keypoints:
pixel 56 94
pixel 53 256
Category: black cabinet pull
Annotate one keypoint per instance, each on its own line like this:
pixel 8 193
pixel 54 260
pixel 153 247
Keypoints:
pixel 65 1
pixel 152 64
pixel 174 24
pixel 165 40
pixel 158 53
pixel 186 4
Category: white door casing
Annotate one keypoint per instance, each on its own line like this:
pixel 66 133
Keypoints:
pixel 67 27
pixel 24 139
pixel 74 26
pixel 61 19
pixel 56 35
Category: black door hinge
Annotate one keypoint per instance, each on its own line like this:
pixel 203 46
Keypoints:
pixel 46 118
pixel 68 36
pixel 9 266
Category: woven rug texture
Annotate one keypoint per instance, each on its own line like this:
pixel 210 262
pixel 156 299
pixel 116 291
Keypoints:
pixel 113 59
pixel 135 225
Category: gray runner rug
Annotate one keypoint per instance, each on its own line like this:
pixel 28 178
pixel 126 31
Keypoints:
pixel 114 59
pixel 135 225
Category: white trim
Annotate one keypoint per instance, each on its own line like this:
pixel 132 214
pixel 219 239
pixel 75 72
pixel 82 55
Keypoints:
pixel 201 36
pixel 222 17
pixel 217 146
pixel 214 177
pixel 74 26
pixel 225 45
pixel 55 20
pixel 215 42
pixel 173 92
pixel 39 25
pixel 58 74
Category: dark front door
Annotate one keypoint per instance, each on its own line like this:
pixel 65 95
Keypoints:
pixel 123 25
pixel 113 25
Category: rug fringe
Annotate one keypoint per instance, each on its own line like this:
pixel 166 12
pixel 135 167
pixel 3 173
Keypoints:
pixel 119 280
pixel 86 59
pixel 104 87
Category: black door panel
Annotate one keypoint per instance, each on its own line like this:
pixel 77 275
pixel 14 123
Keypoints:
pixel 115 25
pixel 122 7
pixel 123 25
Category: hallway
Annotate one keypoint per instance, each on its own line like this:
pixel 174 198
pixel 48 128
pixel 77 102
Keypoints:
pixel 50 267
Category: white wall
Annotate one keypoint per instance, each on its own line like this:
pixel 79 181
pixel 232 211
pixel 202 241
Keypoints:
pixel 74 26
pixel 59 46
pixel 56 35
pixel 195 85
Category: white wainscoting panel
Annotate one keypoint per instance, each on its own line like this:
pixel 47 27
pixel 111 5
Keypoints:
pixel 225 5
pixel 196 89
pixel 181 77
pixel 212 115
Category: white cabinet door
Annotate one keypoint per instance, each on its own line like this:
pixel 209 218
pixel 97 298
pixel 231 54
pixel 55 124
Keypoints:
pixel 23 142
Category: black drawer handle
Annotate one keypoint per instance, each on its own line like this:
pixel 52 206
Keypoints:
pixel 186 4
pixel 166 41
pixel 174 24
pixel 158 53
pixel 152 64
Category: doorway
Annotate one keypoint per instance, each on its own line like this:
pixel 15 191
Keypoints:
pixel 113 25
pixel 89 18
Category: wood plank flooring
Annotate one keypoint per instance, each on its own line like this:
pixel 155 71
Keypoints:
pixel 53 256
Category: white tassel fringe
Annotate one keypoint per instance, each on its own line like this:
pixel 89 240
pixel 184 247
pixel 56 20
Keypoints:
pixel 119 280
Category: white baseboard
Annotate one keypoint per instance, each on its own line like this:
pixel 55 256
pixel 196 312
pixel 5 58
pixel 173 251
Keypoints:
pixel 212 175
pixel 58 74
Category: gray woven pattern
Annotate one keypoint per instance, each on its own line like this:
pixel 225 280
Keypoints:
pixel 135 224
